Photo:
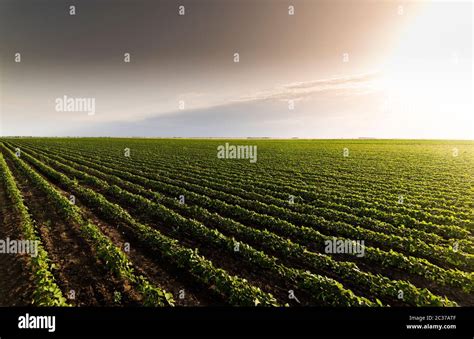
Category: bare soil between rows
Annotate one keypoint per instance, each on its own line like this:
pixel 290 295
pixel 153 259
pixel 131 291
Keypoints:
pixel 83 279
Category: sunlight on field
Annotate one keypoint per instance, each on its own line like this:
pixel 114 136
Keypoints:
pixel 333 222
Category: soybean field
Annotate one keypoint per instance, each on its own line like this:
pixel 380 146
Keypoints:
pixel 242 222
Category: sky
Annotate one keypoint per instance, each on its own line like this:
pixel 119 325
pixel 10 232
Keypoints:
pixel 333 69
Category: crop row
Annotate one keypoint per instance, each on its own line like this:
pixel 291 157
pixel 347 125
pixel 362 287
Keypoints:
pixel 112 256
pixel 382 207
pixel 236 290
pixel 324 177
pixel 330 177
pixel 413 246
pixel 408 245
pixel 303 234
pixel 46 291
pixel 322 289
pixel 351 204
pixel 268 197
pixel 285 248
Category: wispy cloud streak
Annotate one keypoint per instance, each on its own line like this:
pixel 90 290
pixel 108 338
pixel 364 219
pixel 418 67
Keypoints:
pixel 350 85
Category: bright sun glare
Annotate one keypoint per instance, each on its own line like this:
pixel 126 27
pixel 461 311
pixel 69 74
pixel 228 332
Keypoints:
pixel 427 82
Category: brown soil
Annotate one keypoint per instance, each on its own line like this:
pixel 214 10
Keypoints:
pixel 78 267
pixel 267 281
pixel 148 264
pixel 232 264
pixel 16 285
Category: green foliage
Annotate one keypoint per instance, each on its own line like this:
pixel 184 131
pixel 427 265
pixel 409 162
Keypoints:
pixel 112 256
pixel 46 292
pixel 229 203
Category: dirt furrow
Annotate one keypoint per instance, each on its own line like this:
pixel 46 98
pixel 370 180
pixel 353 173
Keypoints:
pixel 83 279
pixel 16 285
